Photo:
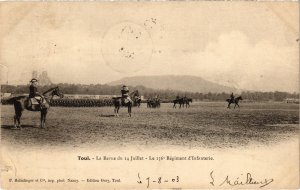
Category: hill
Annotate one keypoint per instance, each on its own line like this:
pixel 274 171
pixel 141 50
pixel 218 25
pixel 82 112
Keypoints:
pixel 173 82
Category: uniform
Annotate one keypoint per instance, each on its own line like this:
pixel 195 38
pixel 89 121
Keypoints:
pixel 125 94
pixel 33 91
pixel 232 97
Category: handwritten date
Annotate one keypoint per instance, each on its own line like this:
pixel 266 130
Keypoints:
pixel 158 180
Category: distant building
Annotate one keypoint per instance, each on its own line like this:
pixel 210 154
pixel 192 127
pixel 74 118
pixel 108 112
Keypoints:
pixel 5 95
pixel 292 101
pixel 34 74
pixel 43 78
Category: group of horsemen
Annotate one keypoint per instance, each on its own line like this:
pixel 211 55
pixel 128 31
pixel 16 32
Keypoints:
pixel 125 96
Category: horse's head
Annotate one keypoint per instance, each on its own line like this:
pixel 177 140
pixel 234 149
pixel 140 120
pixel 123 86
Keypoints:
pixel 239 98
pixel 57 92
pixel 190 99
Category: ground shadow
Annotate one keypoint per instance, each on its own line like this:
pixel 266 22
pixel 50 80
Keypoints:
pixel 11 127
pixel 106 115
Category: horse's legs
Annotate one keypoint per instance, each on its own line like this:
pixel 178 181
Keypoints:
pixel 116 111
pixel 18 114
pixel 42 118
pixel 129 110
pixel 19 120
pixel 228 105
pixel 174 106
pixel 15 121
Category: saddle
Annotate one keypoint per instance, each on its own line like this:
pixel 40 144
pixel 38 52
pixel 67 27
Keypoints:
pixel 35 104
pixel 35 100
pixel 126 100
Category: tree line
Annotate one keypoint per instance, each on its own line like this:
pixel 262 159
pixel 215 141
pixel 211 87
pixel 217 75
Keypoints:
pixel 100 89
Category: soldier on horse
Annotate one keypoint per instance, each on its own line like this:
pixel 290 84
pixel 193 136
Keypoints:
pixel 232 97
pixel 34 96
pixel 124 100
pixel 125 95
pixel 233 100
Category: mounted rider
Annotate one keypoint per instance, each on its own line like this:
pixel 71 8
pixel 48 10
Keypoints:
pixel 125 94
pixel 34 94
pixel 232 97
pixel 136 94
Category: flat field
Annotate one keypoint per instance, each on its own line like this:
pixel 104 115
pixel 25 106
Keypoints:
pixel 203 125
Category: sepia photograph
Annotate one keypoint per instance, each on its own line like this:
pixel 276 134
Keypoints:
pixel 149 95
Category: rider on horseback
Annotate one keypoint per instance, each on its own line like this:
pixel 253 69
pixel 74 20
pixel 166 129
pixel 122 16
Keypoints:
pixel 125 94
pixel 136 94
pixel 33 91
pixel 232 97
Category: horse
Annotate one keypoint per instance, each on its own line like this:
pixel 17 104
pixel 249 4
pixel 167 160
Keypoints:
pixel 117 102
pixel 137 101
pixel 179 101
pixel 153 103
pixel 149 103
pixel 187 101
pixel 23 102
pixel 234 101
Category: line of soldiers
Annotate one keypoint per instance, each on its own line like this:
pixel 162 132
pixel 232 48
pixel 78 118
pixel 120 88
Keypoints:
pixel 81 102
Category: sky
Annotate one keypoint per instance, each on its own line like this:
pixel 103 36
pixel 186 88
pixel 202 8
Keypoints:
pixel 247 45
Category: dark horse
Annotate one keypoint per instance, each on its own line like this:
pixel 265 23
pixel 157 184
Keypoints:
pixel 23 102
pixel 117 101
pixel 179 101
pixel 235 101
pixel 187 101
pixel 153 103
pixel 137 101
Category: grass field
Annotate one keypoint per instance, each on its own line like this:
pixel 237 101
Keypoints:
pixel 205 125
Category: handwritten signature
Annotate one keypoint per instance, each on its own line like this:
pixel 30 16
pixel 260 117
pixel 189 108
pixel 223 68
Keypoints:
pixel 242 180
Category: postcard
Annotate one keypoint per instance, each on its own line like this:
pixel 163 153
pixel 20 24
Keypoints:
pixel 149 95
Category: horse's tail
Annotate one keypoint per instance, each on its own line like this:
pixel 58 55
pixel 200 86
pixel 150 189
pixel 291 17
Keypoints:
pixel 228 100
pixel 9 101
pixel 14 99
